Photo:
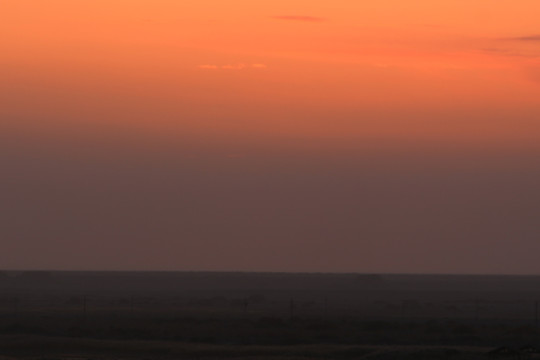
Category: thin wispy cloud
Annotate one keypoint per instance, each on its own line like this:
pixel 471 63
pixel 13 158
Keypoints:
pixel 299 18
pixel 527 38
pixel 239 66
pixel 508 52
pixel 517 46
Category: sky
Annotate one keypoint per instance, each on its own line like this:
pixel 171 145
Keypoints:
pixel 381 136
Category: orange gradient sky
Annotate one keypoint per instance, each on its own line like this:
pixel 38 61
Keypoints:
pixel 413 70
pixel 282 135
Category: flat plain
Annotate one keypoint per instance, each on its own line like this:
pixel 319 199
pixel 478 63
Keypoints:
pixel 211 315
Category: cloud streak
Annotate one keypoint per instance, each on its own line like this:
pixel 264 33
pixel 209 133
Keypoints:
pixel 527 38
pixel 303 18
pixel 515 47
pixel 239 66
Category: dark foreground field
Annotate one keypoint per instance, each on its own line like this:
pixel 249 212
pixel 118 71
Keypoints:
pixel 32 347
pixel 85 315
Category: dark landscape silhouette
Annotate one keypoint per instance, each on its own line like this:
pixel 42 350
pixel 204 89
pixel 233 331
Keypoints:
pixel 210 315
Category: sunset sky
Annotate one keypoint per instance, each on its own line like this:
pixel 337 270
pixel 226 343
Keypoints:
pixel 286 135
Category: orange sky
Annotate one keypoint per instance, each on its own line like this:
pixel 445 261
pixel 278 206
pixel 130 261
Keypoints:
pixel 441 71
pixel 282 135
